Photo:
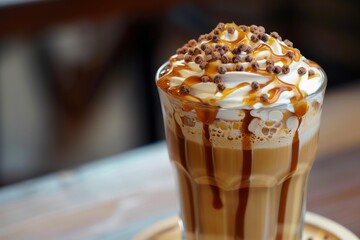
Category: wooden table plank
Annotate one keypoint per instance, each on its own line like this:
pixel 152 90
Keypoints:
pixel 116 197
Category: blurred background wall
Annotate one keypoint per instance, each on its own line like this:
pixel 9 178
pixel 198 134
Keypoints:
pixel 77 77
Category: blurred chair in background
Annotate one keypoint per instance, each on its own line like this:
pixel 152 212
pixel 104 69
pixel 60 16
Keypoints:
pixel 77 77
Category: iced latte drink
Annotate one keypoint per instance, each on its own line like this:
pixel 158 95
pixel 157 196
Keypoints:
pixel 242 112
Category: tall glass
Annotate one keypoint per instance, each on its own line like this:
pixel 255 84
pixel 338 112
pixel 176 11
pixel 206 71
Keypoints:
pixel 242 173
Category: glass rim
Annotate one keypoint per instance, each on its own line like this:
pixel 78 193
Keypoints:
pixel 308 97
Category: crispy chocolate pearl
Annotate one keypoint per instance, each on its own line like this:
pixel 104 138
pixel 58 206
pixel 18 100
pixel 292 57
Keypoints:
pixel 264 37
pixel 270 68
pixel 255 85
pixel 249 49
pixel 205 78
pixel 217 46
pixel 225 48
pixel 209 36
pixel 203 46
pixel 192 42
pixel 221 70
pixel 288 43
pixel 248 58
pixel 221 86
pixel 208 50
pixel 243 47
pixel 197 51
pixel 311 72
pixel 236 51
pixel 254 38
pixel 188 58
pixel 216 55
pixel 184 89
pixel 180 56
pixel 236 59
pixel 255 65
pixel 190 52
pixel 243 28
pixel 289 54
pixel 261 29
pixel 203 65
pixel 198 59
pixel 239 67
pixel 216 31
pixel 269 62
pixel 181 50
pixel 253 28
pixel 224 59
pixel 275 35
pixel 277 70
pixel 221 51
pixel 264 97
pixel 231 30
pixel 285 69
pixel 301 71
pixel 201 37
pixel 217 79
pixel 215 38
pixel 220 26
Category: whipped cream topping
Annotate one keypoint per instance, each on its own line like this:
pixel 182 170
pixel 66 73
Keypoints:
pixel 245 68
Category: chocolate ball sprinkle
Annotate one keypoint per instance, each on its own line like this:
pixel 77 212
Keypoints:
pixel 253 28
pixel 269 62
pixel 224 59
pixel 311 72
pixel 270 68
pixel 188 58
pixel 239 67
pixel 248 58
pixel 236 59
pixel 254 38
pixel 216 55
pixel 261 29
pixel 216 31
pixel 190 52
pixel 208 50
pixel 264 97
pixel 203 46
pixel 255 85
pixel 264 37
pixel 197 51
pixel 221 86
pixel 225 48
pixel 249 49
pixel 215 38
pixel 220 25
pixel 301 71
pixel 181 50
pixel 205 78
pixel 275 35
pixel 277 70
pixel 243 47
pixel 203 64
pixel 192 42
pixel 180 56
pixel 198 59
pixel 184 89
pixel 290 54
pixel 288 43
pixel 255 65
pixel 243 27
pixel 285 69
pixel 236 51
pixel 231 30
pixel 217 79
pixel 222 70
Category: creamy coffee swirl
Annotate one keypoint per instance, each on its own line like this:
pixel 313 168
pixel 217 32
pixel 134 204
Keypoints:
pixel 241 67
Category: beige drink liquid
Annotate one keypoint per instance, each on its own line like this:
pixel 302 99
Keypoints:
pixel 241 172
